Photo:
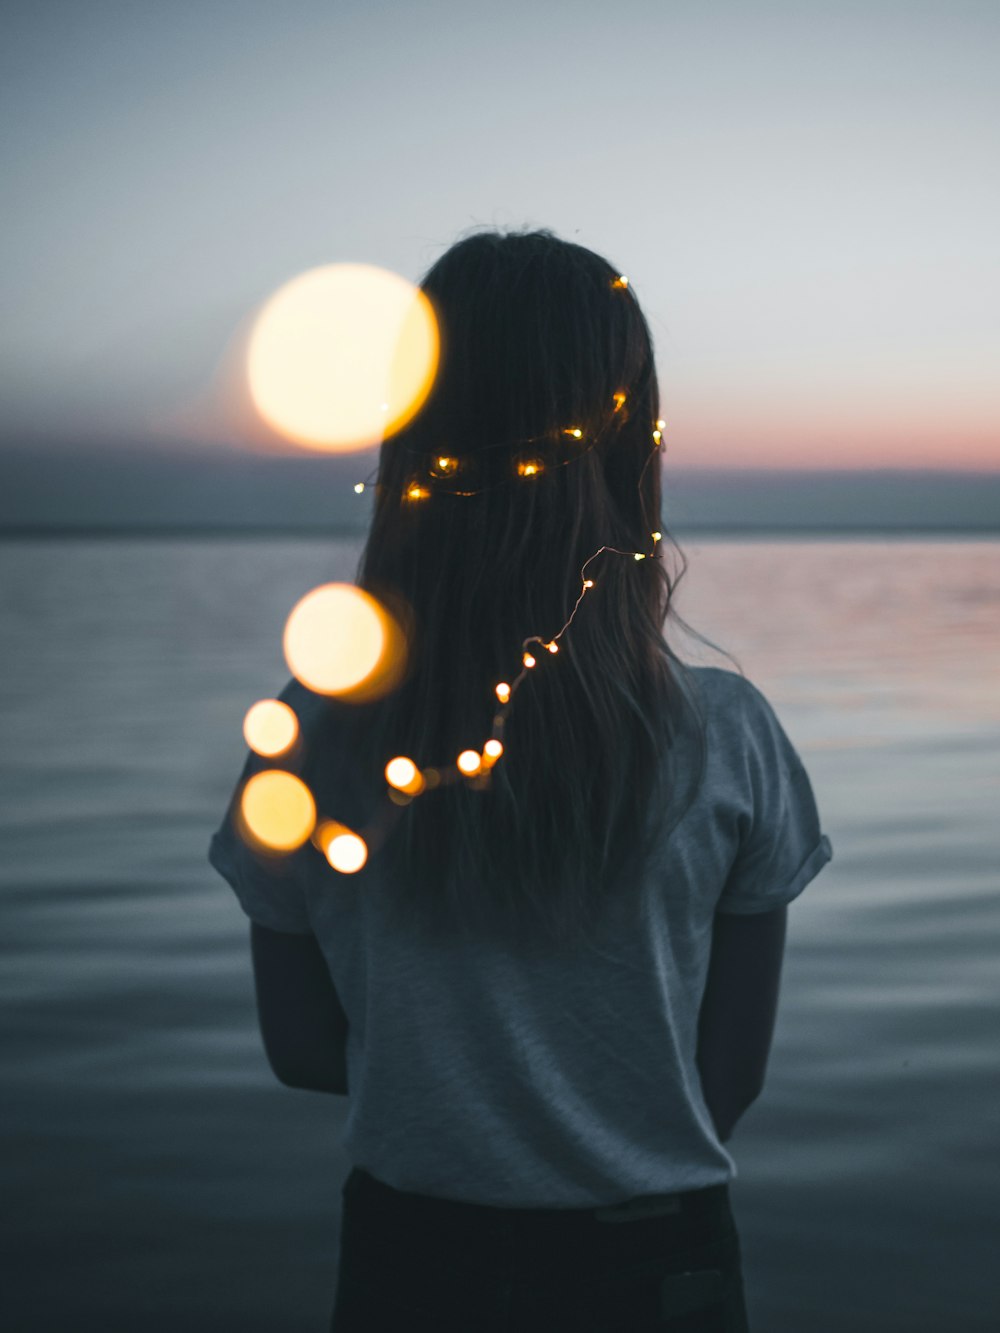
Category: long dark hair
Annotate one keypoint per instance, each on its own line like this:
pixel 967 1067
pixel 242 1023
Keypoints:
pixel 538 335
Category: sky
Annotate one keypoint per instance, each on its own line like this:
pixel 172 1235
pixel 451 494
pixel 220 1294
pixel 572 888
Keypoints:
pixel 804 197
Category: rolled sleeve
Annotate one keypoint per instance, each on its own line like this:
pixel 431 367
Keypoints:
pixel 270 887
pixel 271 894
pixel 782 847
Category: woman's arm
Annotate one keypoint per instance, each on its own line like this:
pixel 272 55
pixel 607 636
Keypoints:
pixel 302 1021
pixel 738 1011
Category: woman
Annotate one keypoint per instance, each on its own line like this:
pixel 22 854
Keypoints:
pixel 550 992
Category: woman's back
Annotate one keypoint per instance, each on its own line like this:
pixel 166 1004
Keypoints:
pixel 550 989
pixel 547 1078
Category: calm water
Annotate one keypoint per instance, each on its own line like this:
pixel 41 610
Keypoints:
pixel 157 1177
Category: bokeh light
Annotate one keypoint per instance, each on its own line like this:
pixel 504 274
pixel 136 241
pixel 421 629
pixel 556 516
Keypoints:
pixel 344 849
pixel 270 727
pixel 339 640
pixel 492 751
pixel 469 762
pixel 403 774
pixel 342 356
pixel 278 811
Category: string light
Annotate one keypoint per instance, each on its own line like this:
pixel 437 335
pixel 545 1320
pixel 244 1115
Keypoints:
pixel 346 850
pixel 403 774
pixel 347 853
pixel 469 762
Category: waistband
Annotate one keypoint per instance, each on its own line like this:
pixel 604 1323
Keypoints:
pixel 705 1203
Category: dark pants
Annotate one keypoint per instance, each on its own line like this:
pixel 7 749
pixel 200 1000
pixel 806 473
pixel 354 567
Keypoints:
pixel 408 1261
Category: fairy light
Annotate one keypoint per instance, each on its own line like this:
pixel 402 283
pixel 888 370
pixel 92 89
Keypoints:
pixel 346 850
pixel 403 774
pixel 347 853
pixel 469 762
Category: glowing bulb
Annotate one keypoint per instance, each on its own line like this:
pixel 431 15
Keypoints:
pixel 447 464
pixel 619 400
pixel 270 727
pixel 342 356
pixel 588 583
pixel 347 853
pixel 503 692
pixel 528 660
pixel 530 469
pixel 639 556
pixel 656 436
pixel 277 809
pixel 345 850
pixel 493 750
pixel 661 423
pixel 657 536
pixel 359 486
pixel 337 638
pixel 552 647
pixel 417 492
pixel 621 281
pixel 575 431
pixel 469 762
pixel 401 772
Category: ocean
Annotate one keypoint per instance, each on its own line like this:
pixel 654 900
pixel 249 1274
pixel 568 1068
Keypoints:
pixel 155 1175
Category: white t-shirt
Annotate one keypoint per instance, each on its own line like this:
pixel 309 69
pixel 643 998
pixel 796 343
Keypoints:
pixel 566 1082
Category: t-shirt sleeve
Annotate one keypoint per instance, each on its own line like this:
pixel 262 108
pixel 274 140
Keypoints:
pixel 781 846
pixel 270 887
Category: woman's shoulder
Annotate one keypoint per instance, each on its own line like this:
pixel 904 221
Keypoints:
pixel 719 687
pixel 732 702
